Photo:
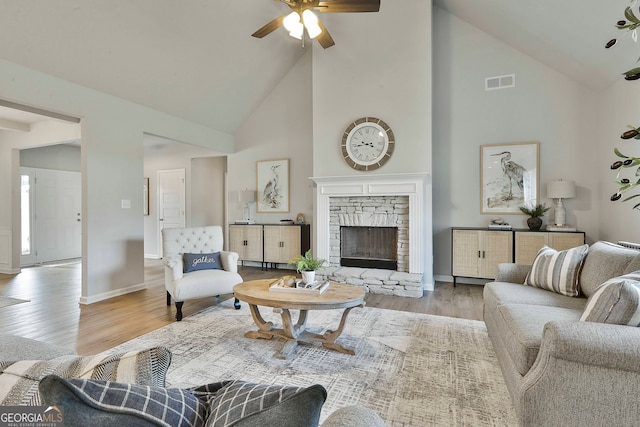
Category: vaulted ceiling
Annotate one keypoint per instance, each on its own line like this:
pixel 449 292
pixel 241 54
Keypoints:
pixel 195 59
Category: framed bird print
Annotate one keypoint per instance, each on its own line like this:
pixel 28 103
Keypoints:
pixel 272 185
pixel 509 177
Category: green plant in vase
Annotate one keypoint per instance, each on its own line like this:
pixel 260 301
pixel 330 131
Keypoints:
pixel 630 24
pixel 307 265
pixel 535 215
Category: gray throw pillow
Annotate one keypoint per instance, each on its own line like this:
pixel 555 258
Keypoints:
pixel 105 404
pixel 242 404
pixel 616 301
pixel 195 262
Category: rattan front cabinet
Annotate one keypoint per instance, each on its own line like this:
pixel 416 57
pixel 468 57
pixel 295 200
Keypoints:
pixel 477 253
pixel 528 243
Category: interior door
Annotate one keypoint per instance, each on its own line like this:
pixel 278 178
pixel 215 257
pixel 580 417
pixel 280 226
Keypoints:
pixel 57 221
pixel 171 201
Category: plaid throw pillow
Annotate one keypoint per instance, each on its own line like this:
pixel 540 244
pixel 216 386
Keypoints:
pixel 616 301
pixel 231 401
pixel 161 406
pixel 557 271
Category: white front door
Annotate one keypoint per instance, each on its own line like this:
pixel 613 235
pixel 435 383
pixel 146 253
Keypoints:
pixel 56 206
pixel 171 201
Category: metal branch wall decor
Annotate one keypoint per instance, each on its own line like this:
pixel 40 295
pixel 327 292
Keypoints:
pixel 628 175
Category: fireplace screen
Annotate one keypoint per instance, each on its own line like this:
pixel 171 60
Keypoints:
pixel 369 247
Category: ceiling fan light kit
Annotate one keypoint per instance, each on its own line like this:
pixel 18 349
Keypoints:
pixel 303 18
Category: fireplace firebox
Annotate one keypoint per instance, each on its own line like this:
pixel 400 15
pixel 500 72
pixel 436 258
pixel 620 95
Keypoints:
pixel 369 247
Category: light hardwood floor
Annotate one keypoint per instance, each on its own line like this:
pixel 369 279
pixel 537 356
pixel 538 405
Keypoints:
pixel 54 315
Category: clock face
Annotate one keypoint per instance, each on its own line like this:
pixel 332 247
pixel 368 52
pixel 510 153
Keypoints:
pixel 367 144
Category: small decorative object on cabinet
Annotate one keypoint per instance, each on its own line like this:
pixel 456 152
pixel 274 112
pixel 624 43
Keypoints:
pixel 535 213
pixel 476 252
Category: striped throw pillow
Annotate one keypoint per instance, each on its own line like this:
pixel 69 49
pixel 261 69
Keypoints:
pixel 616 301
pixel 19 379
pixel 557 271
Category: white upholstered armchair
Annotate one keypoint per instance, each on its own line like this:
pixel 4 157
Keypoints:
pixel 209 271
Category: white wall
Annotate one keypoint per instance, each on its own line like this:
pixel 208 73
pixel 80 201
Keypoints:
pixel 204 200
pixel 617 107
pixel 64 157
pixel 112 168
pixel 281 127
pixel 381 67
pixel 545 106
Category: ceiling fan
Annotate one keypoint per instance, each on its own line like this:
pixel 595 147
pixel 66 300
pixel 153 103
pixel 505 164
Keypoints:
pixel 303 18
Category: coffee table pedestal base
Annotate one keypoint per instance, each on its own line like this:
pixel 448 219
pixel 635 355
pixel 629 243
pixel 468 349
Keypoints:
pixel 297 333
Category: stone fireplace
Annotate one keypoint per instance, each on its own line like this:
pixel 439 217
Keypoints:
pixel 369 220
pixel 372 203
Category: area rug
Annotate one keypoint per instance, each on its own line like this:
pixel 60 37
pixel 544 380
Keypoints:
pixel 7 301
pixel 412 369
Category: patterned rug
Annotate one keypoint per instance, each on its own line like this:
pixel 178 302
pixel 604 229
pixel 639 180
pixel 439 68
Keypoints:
pixel 413 369
pixel 7 301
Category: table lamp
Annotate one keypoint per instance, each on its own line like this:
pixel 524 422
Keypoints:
pixel 560 190
pixel 246 197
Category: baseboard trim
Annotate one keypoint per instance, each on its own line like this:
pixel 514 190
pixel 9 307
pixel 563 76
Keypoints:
pixel 111 294
pixel 11 271
pixel 150 256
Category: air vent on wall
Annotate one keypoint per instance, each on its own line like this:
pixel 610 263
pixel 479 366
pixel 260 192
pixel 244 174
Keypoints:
pixel 500 82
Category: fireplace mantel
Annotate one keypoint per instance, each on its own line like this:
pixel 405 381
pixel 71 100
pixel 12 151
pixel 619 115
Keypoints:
pixel 417 186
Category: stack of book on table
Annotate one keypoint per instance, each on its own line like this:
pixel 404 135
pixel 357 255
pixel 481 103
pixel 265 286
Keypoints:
pixel 503 226
pixel 287 284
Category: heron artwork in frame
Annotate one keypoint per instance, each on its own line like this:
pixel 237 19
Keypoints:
pixel 272 185
pixel 509 177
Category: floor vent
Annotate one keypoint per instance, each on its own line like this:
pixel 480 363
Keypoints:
pixel 500 82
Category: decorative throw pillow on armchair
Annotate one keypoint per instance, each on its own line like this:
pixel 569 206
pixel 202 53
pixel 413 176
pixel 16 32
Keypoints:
pixel 194 262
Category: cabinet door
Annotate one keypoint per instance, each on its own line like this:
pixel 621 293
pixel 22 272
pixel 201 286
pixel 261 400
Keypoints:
pixel 562 241
pixel 528 244
pixel 253 239
pixel 281 243
pixel 236 240
pixel 290 237
pixel 496 247
pixel 466 253
pixel 246 240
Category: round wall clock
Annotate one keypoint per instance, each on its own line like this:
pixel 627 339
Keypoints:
pixel 367 143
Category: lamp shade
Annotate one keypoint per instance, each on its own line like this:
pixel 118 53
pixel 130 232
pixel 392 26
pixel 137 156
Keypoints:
pixel 561 189
pixel 247 196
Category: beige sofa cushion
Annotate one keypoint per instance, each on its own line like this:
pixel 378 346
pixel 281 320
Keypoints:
pixel 521 327
pixel 604 261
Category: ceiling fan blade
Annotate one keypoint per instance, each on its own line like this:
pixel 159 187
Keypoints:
pixel 270 27
pixel 325 38
pixel 342 6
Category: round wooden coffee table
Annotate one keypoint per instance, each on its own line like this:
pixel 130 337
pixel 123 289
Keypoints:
pixel 337 296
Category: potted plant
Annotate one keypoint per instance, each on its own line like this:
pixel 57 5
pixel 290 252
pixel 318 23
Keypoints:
pixel 307 265
pixel 630 24
pixel 534 221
